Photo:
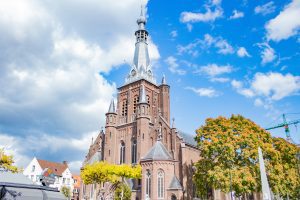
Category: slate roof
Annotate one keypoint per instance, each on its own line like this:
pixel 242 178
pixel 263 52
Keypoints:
pixel 157 152
pixel 175 184
pixel 188 138
pixel 57 168
pixel 18 186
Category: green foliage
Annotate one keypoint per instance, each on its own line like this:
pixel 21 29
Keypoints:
pixel 126 192
pixel 6 162
pixel 229 149
pixel 100 172
pixel 66 191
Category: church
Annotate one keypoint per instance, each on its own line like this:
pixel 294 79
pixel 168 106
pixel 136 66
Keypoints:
pixel 139 130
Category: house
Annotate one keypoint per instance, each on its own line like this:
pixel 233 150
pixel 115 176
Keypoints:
pixel 59 172
pixel 76 190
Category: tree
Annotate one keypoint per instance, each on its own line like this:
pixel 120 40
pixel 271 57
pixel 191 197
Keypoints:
pixel 7 161
pixel 66 191
pixel 229 158
pixel 100 172
pixel 126 192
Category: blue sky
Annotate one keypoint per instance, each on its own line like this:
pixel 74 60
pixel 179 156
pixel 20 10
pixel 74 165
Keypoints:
pixel 61 62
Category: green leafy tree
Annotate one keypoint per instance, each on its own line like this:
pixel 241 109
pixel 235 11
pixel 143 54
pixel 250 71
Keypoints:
pixel 122 188
pixel 229 158
pixel 7 161
pixel 66 191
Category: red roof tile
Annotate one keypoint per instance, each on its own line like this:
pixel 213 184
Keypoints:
pixel 57 168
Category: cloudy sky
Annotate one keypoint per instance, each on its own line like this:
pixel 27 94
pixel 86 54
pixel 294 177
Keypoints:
pixel 61 62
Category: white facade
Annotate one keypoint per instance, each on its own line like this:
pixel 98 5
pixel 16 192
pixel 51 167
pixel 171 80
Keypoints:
pixel 34 170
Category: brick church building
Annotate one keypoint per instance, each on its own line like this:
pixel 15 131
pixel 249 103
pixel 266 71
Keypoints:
pixel 139 130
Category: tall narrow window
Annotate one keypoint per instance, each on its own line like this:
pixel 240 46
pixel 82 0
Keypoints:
pixel 148 184
pixel 160 184
pixel 124 107
pixel 122 153
pixel 133 152
pixel 135 102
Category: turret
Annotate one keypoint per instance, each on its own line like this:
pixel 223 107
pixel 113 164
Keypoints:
pixel 164 89
pixel 111 115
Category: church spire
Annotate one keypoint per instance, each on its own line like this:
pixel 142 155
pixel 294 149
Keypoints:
pixel 112 108
pixel 141 68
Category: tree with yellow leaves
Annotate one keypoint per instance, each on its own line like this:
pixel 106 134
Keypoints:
pixel 229 158
pixel 100 172
pixel 7 161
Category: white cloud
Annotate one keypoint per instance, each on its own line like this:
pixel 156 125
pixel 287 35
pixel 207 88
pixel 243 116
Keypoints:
pixel 213 10
pixel 174 66
pixel 222 46
pixel 204 92
pixel 286 24
pixel 258 102
pixel 174 34
pixel 16 146
pixel 275 85
pixel 213 70
pixel 219 79
pixel 271 86
pixel 236 14
pixel 267 54
pixel 52 61
pixel 189 27
pixel 236 84
pixel 242 52
pixel 209 16
pixel 265 9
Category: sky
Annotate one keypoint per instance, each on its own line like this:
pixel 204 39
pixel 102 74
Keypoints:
pixel 61 62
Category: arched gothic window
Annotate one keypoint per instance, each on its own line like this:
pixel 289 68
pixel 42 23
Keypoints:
pixel 160 184
pixel 122 152
pixel 148 184
pixel 133 152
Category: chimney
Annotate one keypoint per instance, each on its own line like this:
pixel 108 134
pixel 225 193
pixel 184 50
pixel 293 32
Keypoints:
pixel 65 162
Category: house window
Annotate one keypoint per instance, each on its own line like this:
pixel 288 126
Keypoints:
pixel 68 181
pixel 133 151
pixel 148 184
pixel 160 184
pixel 33 168
pixel 122 152
pixel 64 180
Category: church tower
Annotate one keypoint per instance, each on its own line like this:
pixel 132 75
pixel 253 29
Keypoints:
pixel 138 131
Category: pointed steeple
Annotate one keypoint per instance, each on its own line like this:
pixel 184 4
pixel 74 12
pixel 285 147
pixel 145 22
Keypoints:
pixel 163 81
pixel 112 108
pixel 143 98
pixel 141 68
